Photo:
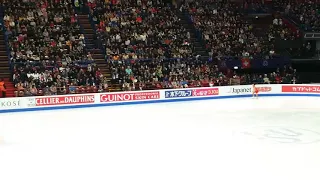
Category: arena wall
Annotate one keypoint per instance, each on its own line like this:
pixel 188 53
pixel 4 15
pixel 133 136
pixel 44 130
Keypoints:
pixel 38 103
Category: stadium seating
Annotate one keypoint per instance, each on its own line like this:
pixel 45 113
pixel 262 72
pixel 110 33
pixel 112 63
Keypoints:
pixel 131 29
pixel 147 45
pixel 305 13
pixel 47 49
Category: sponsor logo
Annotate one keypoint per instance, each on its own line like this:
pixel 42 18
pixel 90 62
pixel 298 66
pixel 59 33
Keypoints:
pixel 10 103
pixel 264 89
pixel 129 96
pixel 178 93
pixel 304 89
pixel 31 102
pixel 205 92
pixel 62 100
pixel 248 90
pixel 265 63
pixel 240 90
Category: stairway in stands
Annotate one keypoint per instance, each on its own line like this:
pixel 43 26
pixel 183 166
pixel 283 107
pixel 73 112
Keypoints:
pixel 196 39
pixel 94 50
pixel 5 73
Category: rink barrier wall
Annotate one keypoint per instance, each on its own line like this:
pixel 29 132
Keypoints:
pixel 41 103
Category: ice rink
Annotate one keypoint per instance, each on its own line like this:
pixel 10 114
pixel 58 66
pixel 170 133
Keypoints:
pixel 271 138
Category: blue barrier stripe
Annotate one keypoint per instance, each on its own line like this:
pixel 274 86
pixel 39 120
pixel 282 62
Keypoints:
pixel 148 102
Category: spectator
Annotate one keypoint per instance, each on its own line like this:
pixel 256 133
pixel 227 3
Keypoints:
pixel 2 88
pixel 266 79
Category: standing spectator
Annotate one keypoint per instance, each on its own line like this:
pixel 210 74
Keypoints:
pixel 2 88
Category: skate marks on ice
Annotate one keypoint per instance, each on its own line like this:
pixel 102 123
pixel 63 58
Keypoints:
pixel 278 134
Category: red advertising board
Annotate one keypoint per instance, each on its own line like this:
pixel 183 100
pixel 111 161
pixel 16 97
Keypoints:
pixel 264 89
pixel 205 92
pixel 303 89
pixel 62 100
pixel 133 96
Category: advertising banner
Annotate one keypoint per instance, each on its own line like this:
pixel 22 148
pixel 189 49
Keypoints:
pixel 134 96
pixel 178 93
pixel 240 90
pixel 248 89
pixel 264 89
pixel 205 92
pixel 10 103
pixel 301 89
pixel 30 102
pixel 63 100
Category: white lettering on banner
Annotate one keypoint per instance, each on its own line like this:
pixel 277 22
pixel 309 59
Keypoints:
pixel 129 96
pixel 10 103
pixel 116 97
pixel 315 89
pixel 301 88
pixel 306 89
pixel 60 100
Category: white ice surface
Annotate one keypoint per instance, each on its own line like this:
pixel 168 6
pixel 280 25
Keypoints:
pixel 229 139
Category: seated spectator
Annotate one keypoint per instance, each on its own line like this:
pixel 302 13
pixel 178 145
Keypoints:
pixel 20 90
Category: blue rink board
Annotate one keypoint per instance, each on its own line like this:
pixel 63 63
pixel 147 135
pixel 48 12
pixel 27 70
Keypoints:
pixel 148 102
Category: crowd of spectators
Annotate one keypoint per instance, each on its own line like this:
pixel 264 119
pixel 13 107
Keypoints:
pixel 305 12
pixel 256 7
pixel 146 45
pixel 189 73
pixel 281 31
pixel 47 48
pixel 137 29
pixel 227 32
pixel 224 30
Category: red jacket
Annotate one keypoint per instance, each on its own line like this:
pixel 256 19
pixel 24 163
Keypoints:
pixel 2 86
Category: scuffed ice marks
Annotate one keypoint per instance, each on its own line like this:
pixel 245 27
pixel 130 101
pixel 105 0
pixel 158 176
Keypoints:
pixel 277 134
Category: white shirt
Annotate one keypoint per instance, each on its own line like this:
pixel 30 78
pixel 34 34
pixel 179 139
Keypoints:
pixel 118 37
pixel 6 18
pixel 127 42
pixel 12 24
pixel 275 21
pixel 143 37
